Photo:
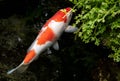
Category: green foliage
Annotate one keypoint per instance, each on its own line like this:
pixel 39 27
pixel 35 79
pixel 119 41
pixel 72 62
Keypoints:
pixel 99 22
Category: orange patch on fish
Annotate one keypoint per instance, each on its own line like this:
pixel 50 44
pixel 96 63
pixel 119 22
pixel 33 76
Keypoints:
pixel 47 35
pixel 29 56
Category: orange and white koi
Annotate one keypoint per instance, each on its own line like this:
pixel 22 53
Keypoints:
pixel 47 37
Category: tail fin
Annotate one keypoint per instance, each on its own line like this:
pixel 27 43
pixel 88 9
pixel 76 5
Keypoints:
pixel 20 69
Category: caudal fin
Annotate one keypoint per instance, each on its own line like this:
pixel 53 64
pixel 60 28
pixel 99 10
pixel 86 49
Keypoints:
pixel 20 69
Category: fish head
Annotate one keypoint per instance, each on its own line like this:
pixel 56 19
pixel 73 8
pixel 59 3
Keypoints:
pixel 68 14
pixel 63 15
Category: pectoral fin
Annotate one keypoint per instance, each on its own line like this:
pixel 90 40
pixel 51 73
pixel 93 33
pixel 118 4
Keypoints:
pixel 56 46
pixel 49 51
pixel 71 29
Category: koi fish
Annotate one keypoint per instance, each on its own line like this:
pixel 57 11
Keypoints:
pixel 47 37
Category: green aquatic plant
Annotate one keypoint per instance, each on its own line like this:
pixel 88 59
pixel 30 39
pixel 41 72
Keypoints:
pixel 99 22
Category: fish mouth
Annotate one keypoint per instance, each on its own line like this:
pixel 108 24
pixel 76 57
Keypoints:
pixel 68 14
